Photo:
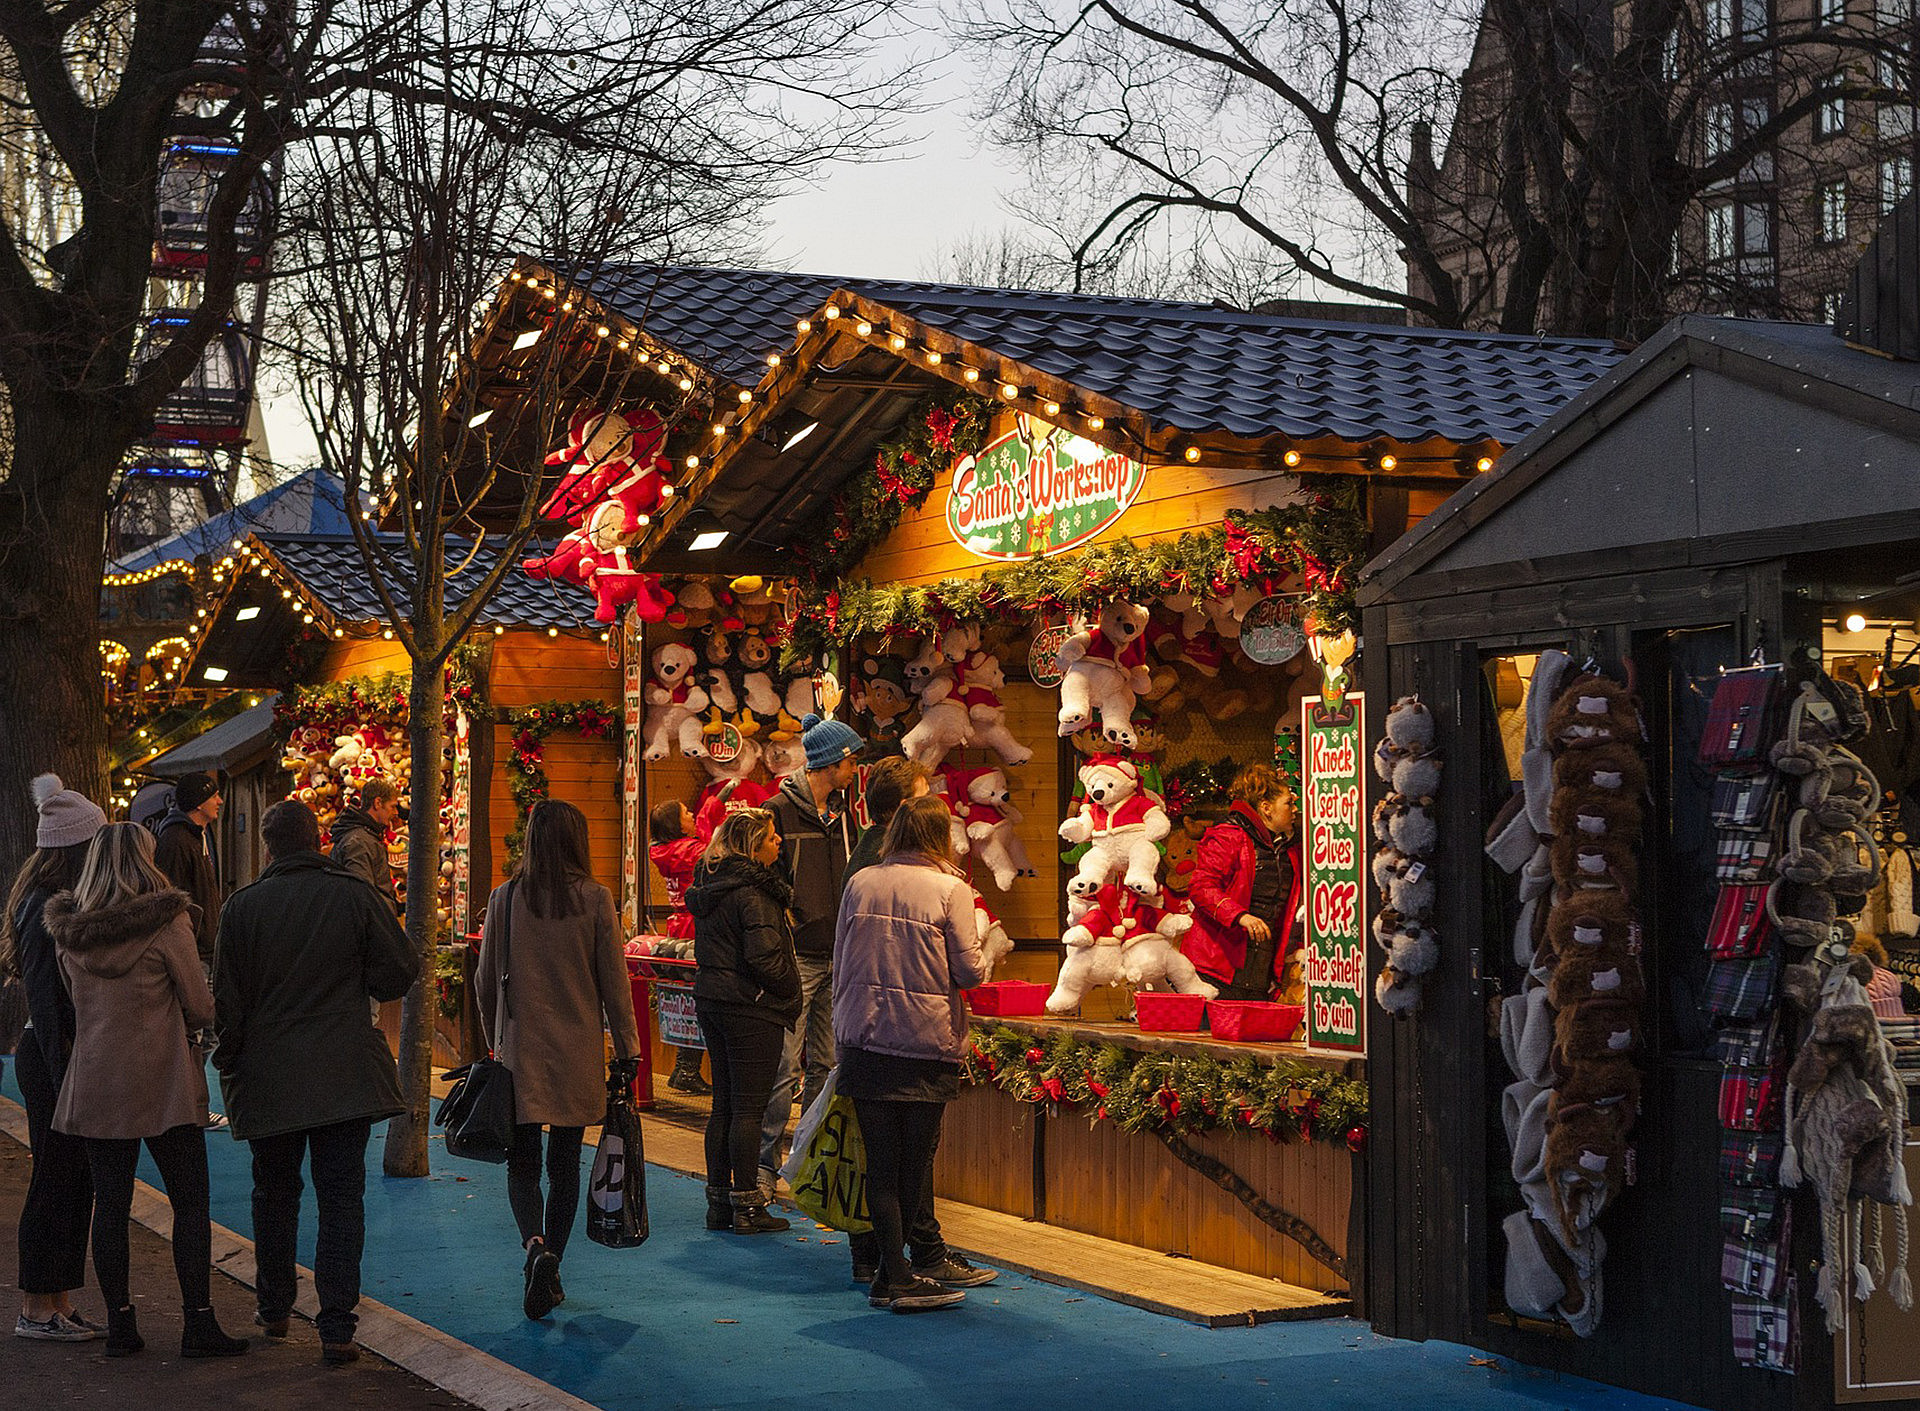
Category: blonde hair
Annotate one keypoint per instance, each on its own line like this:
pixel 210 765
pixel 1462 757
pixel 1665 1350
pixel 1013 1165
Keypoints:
pixel 924 826
pixel 741 834
pixel 1260 783
pixel 119 865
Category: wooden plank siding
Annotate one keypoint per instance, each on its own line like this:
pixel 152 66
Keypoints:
pixel 362 656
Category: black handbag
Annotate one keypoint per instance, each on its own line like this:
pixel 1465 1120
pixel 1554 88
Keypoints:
pixel 478 1112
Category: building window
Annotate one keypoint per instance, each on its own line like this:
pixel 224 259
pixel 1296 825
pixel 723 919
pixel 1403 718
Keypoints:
pixel 1896 180
pixel 1830 307
pixel 1833 212
pixel 1833 12
pixel 1830 118
pixel 1719 19
pixel 1720 224
pixel 1756 229
pixel 1719 132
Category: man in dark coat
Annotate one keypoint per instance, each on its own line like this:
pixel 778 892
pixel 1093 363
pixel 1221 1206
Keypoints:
pixel 182 851
pixel 359 836
pixel 305 1074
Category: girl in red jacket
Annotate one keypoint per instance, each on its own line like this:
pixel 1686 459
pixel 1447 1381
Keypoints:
pixel 679 838
pixel 1246 889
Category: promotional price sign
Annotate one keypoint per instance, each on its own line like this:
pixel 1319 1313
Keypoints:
pixel 1038 490
pixel 1331 821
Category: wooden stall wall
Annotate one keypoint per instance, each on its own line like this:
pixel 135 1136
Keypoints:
pixel 363 656
pixel 528 668
pixel 1127 1187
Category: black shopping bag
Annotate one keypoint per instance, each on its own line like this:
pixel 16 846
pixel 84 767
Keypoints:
pixel 617 1193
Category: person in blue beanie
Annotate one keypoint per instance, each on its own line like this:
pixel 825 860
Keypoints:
pixel 817 833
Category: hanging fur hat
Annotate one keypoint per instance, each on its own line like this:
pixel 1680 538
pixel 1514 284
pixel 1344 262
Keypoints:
pixel 1615 767
pixel 1409 726
pixel 1591 711
pixel 1581 808
pixel 1580 975
pixel 1605 861
pixel 1591 1032
pixel 1414 830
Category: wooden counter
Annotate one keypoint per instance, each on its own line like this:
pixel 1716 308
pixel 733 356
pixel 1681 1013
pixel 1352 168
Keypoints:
pixel 1181 1045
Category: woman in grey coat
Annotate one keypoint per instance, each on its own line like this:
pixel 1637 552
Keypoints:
pixel 551 966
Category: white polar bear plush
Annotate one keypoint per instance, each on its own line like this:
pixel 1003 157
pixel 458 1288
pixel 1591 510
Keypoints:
pixel 943 719
pixel 977 683
pixel 1120 825
pixel 346 753
pixel 1093 949
pixel 984 800
pixel 994 940
pixel 674 704
pixel 1104 668
pixel 1149 947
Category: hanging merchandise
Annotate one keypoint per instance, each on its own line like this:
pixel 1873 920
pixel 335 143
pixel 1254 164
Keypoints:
pixel 944 724
pixel 985 823
pixel 1121 823
pixel 612 456
pixel 596 556
pixel 1104 668
pixel 978 680
pixel 674 704
pixel 1407 831
pixel 1570 1034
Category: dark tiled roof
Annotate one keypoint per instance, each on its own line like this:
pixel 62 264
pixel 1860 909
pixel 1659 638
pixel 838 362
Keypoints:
pixel 331 568
pixel 1191 366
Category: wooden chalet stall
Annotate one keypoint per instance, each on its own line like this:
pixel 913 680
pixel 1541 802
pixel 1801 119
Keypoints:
pixel 1735 494
pixel 533 701
pixel 899 465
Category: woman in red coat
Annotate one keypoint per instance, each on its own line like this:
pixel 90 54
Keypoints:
pixel 1246 889
pixel 679 838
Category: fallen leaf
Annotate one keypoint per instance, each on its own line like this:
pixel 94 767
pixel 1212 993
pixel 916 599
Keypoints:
pixel 726 1320
pixel 462 1178
pixel 1076 1300
pixel 1485 1362
pixel 829 1241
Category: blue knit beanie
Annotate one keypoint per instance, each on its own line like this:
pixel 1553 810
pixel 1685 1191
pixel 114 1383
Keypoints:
pixel 828 741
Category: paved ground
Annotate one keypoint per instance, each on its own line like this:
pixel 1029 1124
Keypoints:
pixel 694 1319
pixel 282 1376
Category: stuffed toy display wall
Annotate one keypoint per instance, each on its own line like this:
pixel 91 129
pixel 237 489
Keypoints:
pixel 1406 832
pixel 1569 1035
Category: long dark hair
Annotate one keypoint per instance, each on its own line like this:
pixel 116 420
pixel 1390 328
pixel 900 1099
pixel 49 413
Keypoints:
pixel 556 859
pixel 923 826
pixel 48 870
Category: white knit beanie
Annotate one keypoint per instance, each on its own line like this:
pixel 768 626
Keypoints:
pixel 66 818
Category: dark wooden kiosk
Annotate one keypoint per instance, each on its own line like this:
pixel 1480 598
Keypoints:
pixel 1734 489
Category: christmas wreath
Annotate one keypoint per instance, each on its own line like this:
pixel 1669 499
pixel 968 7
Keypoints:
pixel 1285 1100
pixel 531 725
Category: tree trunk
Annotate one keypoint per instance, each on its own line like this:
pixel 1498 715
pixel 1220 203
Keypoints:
pixel 53 508
pixel 406 1148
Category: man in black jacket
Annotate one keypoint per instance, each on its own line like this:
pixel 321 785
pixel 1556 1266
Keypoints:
pixel 182 851
pixel 359 836
pixel 304 1073
pixel 816 836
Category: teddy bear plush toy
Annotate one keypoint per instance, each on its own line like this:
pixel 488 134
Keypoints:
pixel 943 722
pixel 977 683
pixel 994 940
pixel 716 677
pixel 674 704
pixel 1103 669
pixel 596 557
pixel 747 791
pixel 756 680
pixel 1093 948
pixel 983 799
pixel 1149 947
pixel 1121 824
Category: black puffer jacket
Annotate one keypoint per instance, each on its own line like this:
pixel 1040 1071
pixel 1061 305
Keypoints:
pixel 743 939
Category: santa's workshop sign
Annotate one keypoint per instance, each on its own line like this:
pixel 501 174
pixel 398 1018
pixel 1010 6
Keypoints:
pixel 1332 796
pixel 1038 489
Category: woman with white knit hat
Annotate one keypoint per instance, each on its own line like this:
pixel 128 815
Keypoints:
pixel 59 1205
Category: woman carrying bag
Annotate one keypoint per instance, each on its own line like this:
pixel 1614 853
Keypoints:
pixel 907 944
pixel 551 966
pixel 747 996
pixel 127 950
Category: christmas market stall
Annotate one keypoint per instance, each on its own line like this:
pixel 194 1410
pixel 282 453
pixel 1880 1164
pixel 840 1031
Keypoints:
pixel 1086 560
pixel 1648 1122
pixel 532 702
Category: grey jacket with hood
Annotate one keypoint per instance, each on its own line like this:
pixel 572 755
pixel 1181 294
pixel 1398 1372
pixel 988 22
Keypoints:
pixel 138 990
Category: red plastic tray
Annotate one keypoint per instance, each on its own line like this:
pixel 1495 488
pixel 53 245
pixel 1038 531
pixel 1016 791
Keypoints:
pixel 1246 1021
pixel 1169 1014
pixel 1009 999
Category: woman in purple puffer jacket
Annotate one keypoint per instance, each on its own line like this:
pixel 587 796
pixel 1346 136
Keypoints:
pixel 905 947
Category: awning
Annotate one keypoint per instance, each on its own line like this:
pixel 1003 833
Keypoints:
pixel 231 747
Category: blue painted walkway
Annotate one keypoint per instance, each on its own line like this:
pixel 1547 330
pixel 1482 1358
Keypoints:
pixel 694 1319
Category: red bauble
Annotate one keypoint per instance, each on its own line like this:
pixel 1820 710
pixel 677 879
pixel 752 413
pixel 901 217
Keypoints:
pixel 1036 1055
pixel 1356 1139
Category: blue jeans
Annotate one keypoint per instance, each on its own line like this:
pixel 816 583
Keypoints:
pixel 815 1032
pixel 337 1161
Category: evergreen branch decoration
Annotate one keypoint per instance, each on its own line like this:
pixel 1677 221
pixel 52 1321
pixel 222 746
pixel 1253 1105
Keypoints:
pixel 1322 537
pixel 938 430
pixel 352 701
pixel 1285 1100
pixel 595 720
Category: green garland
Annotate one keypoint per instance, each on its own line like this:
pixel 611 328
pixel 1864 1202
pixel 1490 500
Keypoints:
pixel 1286 1100
pixel 350 701
pixel 595 720
pixel 449 980
pixel 1322 537
pixel 937 430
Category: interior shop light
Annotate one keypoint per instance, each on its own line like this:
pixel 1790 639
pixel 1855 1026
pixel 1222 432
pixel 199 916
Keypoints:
pixel 1856 622
pixel 800 435
pixel 526 340
pixel 246 614
pixel 215 673
pixel 707 539
pixel 480 418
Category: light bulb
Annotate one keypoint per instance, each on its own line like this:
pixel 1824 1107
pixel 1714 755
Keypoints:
pixel 1389 461
pixel 897 343
pixel 863 328
pixel 1192 453
pixel 1856 622
pixel 933 357
pixel 1053 409
pixel 972 374
pixel 773 360
pixel 1094 423
pixel 805 325
pixel 1009 391
pixel 1292 458
pixel 831 311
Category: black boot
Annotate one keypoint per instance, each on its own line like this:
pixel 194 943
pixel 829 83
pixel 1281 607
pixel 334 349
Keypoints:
pixel 750 1215
pixel 201 1336
pixel 543 1282
pixel 123 1332
pixel 685 1077
pixel 719 1208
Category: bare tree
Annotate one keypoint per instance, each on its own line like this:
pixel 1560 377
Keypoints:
pixel 577 134
pixel 1301 133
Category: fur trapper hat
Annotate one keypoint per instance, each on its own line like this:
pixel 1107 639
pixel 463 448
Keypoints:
pixel 1593 1032
pixel 1414 830
pixel 1581 810
pixel 1606 861
pixel 1593 921
pixel 1614 767
pixel 1409 726
pixel 1581 974
pixel 1590 711
pixel 1586 1162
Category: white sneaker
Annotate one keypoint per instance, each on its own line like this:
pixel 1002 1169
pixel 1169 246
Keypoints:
pixel 54 1329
